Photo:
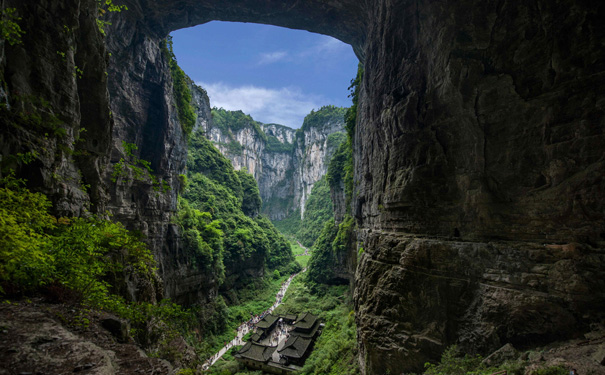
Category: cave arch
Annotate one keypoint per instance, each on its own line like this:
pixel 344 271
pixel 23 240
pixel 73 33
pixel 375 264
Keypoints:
pixel 343 19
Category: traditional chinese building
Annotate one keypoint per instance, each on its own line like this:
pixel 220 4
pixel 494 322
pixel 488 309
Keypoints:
pixel 289 355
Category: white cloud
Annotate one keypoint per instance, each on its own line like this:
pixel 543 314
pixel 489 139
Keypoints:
pixel 287 105
pixel 271 57
pixel 326 46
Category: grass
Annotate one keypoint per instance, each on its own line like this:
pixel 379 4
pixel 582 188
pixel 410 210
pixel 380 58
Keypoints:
pixel 303 260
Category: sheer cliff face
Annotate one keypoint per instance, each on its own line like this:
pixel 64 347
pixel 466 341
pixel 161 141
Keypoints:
pixel 478 154
pixel 285 175
pixel 479 177
pixel 52 111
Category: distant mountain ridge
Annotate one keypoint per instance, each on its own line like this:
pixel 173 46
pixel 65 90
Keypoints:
pixel 285 162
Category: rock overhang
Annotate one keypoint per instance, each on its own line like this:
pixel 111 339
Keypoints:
pixel 345 20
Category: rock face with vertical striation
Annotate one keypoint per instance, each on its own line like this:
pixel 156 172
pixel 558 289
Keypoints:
pixel 285 162
pixel 479 178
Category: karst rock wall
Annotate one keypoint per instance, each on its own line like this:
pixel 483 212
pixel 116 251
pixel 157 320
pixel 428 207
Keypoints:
pixel 479 170
pixel 479 162
pixel 285 175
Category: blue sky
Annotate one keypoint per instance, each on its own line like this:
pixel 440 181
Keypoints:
pixel 276 75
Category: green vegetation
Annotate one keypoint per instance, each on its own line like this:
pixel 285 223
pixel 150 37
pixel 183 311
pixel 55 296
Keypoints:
pixel 233 147
pixel 37 249
pixel 335 351
pixel 10 31
pixel 336 139
pixel 328 114
pixel 251 201
pixel 453 362
pixel 318 210
pixel 230 121
pixel 139 169
pixel 275 145
pixel 103 7
pixel 332 241
pixel 303 260
pixel 202 237
pixel 290 225
pixel 180 89
pixel 205 159
pixel 82 260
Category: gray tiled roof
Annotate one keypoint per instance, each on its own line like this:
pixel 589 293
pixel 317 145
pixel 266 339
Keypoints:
pixel 295 346
pixel 305 321
pixel 267 321
pixel 257 352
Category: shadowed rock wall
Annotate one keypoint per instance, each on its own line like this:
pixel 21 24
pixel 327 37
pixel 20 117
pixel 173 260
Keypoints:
pixel 479 177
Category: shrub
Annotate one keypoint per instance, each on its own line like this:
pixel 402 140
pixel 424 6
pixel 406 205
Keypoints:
pixel 24 240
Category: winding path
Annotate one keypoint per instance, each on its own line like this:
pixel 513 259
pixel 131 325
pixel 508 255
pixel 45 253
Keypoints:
pixel 303 247
pixel 243 329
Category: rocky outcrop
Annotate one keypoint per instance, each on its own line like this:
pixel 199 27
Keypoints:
pixel 479 178
pixel 55 103
pixel 285 162
pixel 56 339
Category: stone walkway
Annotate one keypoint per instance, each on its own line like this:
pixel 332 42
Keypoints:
pixel 243 329
pixel 306 250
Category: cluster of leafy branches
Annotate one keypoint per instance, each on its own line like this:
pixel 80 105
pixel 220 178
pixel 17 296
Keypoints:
pixel 454 362
pixel 332 242
pixel 180 89
pixel 83 258
pixel 10 31
pixel 202 237
pixel 103 8
pixel 140 169
pixel 251 201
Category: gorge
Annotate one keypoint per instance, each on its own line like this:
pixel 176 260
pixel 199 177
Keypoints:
pixel 285 162
pixel 477 207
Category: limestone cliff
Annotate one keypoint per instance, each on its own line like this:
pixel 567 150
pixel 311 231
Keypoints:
pixel 479 177
pixel 285 162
